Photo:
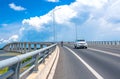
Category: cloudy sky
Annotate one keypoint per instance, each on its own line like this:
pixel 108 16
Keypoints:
pixel 35 20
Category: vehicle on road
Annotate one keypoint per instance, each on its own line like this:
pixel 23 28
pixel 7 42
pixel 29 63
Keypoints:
pixel 61 43
pixel 80 44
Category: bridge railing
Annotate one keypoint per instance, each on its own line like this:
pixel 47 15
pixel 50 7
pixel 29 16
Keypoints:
pixel 103 42
pixel 24 47
pixel 21 65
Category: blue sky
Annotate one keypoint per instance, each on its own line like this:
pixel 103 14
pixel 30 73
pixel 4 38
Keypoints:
pixel 32 20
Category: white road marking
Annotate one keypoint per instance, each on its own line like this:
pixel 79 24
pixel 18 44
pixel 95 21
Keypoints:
pixel 97 75
pixel 106 52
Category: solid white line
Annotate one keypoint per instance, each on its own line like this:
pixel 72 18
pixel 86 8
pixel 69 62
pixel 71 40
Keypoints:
pixel 106 52
pixel 98 76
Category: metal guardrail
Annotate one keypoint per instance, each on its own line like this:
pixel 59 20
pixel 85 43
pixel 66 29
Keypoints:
pixel 103 42
pixel 21 65
pixel 115 43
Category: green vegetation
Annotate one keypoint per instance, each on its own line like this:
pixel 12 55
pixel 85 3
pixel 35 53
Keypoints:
pixel 27 66
pixel 4 70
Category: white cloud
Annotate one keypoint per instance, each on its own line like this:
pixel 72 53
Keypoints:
pixel 95 26
pixel 16 8
pixel 93 3
pixel 1 40
pixel 21 30
pixel 53 0
pixel 4 25
pixel 113 12
pixel 37 22
pixel 13 38
pixel 62 15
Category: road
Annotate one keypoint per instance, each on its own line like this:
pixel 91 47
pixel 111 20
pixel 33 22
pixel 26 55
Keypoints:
pixel 6 55
pixel 87 63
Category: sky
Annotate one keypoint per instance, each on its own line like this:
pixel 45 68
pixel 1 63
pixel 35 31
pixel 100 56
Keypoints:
pixel 35 20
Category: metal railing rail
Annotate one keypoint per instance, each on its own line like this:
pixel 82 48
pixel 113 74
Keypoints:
pixel 103 42
pixel 16 65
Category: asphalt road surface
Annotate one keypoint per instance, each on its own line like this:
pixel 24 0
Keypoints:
pixel 87 63
pixel 5 55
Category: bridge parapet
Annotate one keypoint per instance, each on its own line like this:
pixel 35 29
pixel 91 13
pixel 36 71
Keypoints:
pixel 21 65
pixel 103 42
pixel 23 47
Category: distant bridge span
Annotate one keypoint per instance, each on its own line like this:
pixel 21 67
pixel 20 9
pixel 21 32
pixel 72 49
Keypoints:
pixel 23 47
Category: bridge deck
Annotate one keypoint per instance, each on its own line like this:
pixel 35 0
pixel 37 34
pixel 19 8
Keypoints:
pixel 69 66
pixel 6 55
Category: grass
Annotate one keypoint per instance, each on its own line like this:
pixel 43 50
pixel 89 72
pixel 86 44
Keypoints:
pixel 10 54
pixel 4 70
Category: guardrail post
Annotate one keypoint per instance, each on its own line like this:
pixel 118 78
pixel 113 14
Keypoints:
pixel 36 62
pixel 43 57
pixel 16 69
pixel 52 49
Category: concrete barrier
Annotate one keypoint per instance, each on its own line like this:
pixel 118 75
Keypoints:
pixel 47 69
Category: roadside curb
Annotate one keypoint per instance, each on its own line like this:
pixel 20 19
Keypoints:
pixel 53 68
pixel 47 69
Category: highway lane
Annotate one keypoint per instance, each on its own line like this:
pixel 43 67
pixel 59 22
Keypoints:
pixel 69 67
pixel 109 48
pixel 5 55
pixel 108 66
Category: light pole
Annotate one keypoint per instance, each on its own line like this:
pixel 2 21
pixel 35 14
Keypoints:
pixel 76 31
pixel 53 22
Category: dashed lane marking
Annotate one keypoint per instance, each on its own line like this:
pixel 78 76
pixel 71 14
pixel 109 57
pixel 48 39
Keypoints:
pixel 96 74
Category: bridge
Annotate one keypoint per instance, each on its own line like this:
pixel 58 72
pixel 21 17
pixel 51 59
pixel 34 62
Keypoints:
pixel 49 60
pixel 24 47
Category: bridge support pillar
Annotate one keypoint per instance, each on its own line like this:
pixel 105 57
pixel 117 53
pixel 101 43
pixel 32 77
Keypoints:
pixel 41 46
pixel 29 46
pixel 18 47
pixel 47 45
pixel 35 46
pixel 25 47
pixel 8 48
pixel 15 47
pixel 5 48
pixel 11 47
pixel 21 47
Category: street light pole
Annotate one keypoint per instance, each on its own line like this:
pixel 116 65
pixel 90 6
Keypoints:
pixel 53 22
pixel 76 31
